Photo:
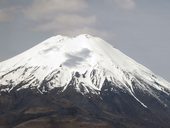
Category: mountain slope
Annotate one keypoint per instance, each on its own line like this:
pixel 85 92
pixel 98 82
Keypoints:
pixel 84 76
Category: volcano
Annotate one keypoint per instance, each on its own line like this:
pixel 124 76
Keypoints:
pixel 80 82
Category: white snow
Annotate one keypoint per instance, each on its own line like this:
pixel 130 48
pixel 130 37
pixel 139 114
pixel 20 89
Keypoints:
pixel 82 54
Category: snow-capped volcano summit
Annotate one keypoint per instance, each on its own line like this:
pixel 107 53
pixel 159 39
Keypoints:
pixel 83 54
pixel 86 64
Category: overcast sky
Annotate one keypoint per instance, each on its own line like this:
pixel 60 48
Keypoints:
pixel 139 28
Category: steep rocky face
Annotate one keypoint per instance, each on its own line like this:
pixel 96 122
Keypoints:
pixel 80 82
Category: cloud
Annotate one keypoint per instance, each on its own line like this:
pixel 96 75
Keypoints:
pixel 66 22
pixel 87 30
pixel 65 17
pixel 5 15
pixel 74 20
pixel 46 8
pixel 9 13
pixel 126 4
pixel 68 17
pixel 61 16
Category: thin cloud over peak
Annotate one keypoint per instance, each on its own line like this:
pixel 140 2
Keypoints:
pixel 126 4
pixel 40 8
pixel 66 21
pixel 58 16
pixel 5 14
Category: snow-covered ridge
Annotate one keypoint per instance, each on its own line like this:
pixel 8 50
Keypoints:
pixel 86 60
pixel 62 50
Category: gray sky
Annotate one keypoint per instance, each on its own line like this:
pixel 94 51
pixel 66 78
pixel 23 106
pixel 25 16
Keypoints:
pixel 139 28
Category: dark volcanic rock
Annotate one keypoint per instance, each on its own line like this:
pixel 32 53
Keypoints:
pixel 110 109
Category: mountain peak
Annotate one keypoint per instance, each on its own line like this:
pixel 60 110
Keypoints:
pixel 83 54
pixel 62 37
pixel 81 75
